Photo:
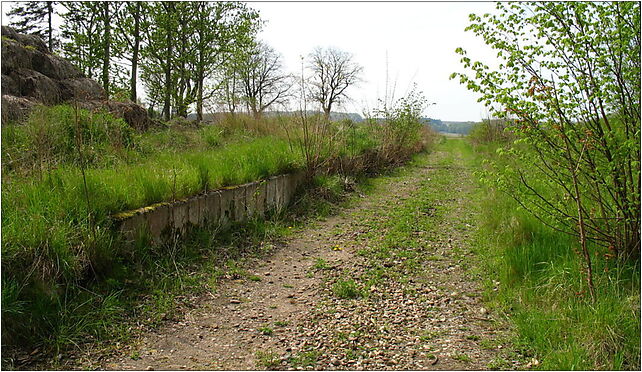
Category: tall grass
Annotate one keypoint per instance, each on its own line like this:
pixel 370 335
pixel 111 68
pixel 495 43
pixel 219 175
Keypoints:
pixel 542 291
pixel 54 244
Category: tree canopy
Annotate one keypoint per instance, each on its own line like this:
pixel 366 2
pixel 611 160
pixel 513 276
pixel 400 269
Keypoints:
pixel 569 83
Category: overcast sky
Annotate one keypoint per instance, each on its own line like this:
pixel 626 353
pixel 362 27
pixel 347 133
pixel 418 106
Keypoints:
pixel 419 40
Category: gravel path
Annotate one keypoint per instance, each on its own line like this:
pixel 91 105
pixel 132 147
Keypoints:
pixel 384 285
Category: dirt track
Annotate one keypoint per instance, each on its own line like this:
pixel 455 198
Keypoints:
pixel 407 247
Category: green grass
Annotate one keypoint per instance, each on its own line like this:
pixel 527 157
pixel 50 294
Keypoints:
pixel 320 264
pixel 462 358
pixel 266 330
pixel 145 282
pixel 67 277
pixel 305 359
pixel 48 219
pixel 347 289
pixel 267 359
pixel 542 289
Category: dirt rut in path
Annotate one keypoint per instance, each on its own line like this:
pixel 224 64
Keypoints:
pixel 381 286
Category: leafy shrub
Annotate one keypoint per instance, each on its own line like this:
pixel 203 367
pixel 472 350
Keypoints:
pixel 568 83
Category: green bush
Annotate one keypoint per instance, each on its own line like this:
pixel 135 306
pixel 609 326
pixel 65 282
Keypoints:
pixel 490 131
pixel 534 277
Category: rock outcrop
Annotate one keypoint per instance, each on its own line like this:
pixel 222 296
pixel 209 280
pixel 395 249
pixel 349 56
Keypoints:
pixel 32 75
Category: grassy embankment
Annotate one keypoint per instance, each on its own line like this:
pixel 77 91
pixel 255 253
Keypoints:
pixel 542 289
pixel 66 275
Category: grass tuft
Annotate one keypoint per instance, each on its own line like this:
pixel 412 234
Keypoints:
pixel 347 289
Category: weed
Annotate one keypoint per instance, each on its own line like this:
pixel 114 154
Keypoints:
pixel 305 359
pixel 462 358
pixel 320 264
pixel 47 233
pixel 234 271
pixel 267 359
pixel 266 330
pixel 352 354
pixel 346 289
pixel 429 335
pixel 499 363
pixel 281 323
pixel 536 279
pixel 342 336
pixel 488 344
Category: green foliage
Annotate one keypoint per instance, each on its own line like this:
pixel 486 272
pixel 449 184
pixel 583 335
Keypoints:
pixel 490 131
pixel 569 84
pixel 321 264
pixel 266 330
pixel 268 359
pixel 331 187
pixel 48 241
pixel 90 43
pixel 50 208
pixel 401 124
pixel 187 43
pixel 54 246
pixel 403 120
pixel 347 289
pixel 534 278
pixel 459 127
pixel 32 19
pixel 305 359
pixel 212 136
pixel 51 135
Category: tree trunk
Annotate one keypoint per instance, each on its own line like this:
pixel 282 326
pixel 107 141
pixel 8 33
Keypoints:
pixel 326 112
pixel 199 84
pixel 232 94
pixel 181 107
pixel 107 41
pixel 50 29
pixel 133 95
pixel 168 66
pixel 199 99
pixel 200 68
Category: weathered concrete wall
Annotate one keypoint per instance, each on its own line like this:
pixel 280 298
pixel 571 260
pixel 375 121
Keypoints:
pixel 232 204
pixel 222 207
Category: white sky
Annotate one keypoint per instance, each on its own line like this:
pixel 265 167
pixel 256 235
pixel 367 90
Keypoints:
pixel 419 39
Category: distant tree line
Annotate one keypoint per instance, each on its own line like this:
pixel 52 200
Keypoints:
pixel 459 127
pixel 186 55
